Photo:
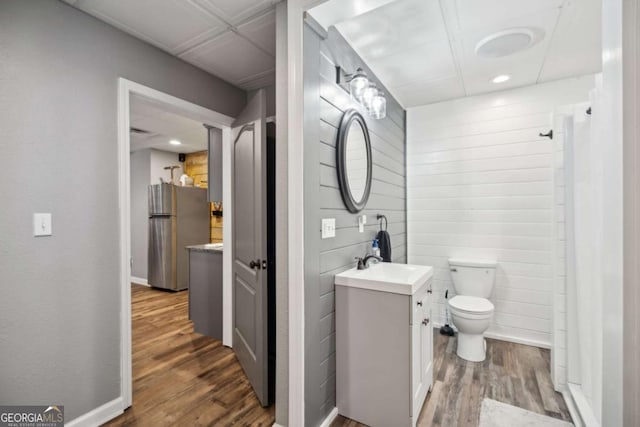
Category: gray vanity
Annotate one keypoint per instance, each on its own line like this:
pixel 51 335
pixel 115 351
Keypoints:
pixel 205 289
pixel 384 343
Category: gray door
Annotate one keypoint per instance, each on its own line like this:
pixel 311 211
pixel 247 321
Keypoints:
pixel 250 333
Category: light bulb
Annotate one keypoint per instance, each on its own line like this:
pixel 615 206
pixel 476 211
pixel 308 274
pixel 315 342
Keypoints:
pixel 368 95
pixel 358 84
pixel 378 106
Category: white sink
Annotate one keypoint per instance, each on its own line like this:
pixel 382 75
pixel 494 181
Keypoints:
pixel 403 279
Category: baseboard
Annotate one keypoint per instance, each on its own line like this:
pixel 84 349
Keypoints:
pixel 571 406
pixel 581 405
pixel 330 418
pixel 508 338
pixel 100 415
pixel 140 281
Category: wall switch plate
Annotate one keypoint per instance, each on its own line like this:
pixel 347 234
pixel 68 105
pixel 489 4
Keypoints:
pixel 328 228
pixel 362 220
pixel 42 224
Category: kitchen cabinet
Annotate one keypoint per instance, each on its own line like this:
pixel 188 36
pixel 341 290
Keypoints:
pixel 205 289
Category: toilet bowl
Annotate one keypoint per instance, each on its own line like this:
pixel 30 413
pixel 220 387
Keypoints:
pixel 471 310
pixel 472 316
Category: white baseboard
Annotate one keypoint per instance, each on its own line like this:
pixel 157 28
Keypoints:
pixel 330 418
pixel 581 405
pixel 100 415
pixel 140 281
pixel 571 406
pixel 507 338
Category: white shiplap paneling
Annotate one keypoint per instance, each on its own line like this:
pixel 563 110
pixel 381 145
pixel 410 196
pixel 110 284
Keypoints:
pixel 480 184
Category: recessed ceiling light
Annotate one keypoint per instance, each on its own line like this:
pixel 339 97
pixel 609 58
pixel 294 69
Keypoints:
pixel 175 142
pixel 501 78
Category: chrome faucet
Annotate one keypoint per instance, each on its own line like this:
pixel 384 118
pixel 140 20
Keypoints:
pixel 363 263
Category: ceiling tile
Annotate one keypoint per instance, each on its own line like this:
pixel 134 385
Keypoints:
pixel 498 14
pixel 429 61
pixel 230 57
pixel 171 25
pixel 400 25
pixel 576 45
pixel 235 11
pixel 427 92
pixel 262 31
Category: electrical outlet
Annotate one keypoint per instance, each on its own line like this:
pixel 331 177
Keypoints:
pixel 42 224
pixel 328 228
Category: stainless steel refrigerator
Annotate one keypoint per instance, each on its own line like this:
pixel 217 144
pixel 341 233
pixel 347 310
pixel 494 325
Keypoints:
pixel 178 217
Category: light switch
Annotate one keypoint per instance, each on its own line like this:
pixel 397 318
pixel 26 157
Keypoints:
pixel 42 224
pixel 362 220
pixel 328 228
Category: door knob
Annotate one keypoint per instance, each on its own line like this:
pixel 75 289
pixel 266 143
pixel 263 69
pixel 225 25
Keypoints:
pixel 425 322
pixel 419 303
pixel 255 264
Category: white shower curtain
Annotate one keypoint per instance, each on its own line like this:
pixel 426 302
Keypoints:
pixel 583 170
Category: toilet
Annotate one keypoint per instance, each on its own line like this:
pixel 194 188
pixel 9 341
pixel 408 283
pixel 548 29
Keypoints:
pixel 470 309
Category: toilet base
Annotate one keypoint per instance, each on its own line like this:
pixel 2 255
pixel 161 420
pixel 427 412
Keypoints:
pixel 471 347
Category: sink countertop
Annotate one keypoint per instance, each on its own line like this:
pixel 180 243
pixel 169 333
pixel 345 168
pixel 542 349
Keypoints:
pixel 207 247
pixel 396 278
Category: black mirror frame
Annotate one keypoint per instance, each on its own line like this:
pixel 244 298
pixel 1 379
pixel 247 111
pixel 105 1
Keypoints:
pixel 349 117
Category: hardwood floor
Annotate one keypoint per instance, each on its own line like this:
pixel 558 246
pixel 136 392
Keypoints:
pixel 512 373
pixel 181 378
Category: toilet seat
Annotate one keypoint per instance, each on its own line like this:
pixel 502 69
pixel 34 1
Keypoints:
pixel 471 307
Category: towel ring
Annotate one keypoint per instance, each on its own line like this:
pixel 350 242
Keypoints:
pixel 380 217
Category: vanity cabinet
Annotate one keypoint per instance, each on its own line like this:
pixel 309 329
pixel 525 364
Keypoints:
pixel 384 352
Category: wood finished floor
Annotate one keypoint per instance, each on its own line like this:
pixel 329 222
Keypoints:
pixel 512 373
pixel 181 378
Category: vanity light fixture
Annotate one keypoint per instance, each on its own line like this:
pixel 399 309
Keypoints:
pixel 363 91
pixel 175 142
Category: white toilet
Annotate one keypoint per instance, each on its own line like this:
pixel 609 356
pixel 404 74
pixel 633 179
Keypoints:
pixel 470 309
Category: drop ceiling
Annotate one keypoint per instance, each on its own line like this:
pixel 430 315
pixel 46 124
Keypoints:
pixel 424 50
pixel 232 39
pixel 160 126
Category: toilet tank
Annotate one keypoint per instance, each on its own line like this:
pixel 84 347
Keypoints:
pixel 474 278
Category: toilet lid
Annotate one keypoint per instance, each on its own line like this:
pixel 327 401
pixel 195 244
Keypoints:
pixel 471 304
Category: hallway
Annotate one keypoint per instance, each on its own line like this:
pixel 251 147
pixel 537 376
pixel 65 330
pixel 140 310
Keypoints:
pixel 181 377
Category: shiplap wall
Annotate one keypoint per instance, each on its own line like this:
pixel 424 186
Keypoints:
pixel 325 103
pixel 559 323
pixel 480 186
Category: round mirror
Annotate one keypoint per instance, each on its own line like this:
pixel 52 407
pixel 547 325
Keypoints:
pixel 354 161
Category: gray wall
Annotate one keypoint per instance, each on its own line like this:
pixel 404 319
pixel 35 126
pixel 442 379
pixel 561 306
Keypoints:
pixel 324 105
pixel 140 175
pixel 60 304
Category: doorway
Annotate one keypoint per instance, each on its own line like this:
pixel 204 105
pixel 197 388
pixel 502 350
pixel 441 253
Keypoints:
pixel 213 354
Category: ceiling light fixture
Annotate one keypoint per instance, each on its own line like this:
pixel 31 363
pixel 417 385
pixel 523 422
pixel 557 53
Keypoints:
pixel 175 142
pixel 508 42
pixel 501 78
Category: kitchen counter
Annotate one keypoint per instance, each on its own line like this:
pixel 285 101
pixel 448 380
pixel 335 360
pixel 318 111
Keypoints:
pixel 207 247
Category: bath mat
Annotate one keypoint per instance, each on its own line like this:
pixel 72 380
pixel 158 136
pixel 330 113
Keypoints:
pixel 498 414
